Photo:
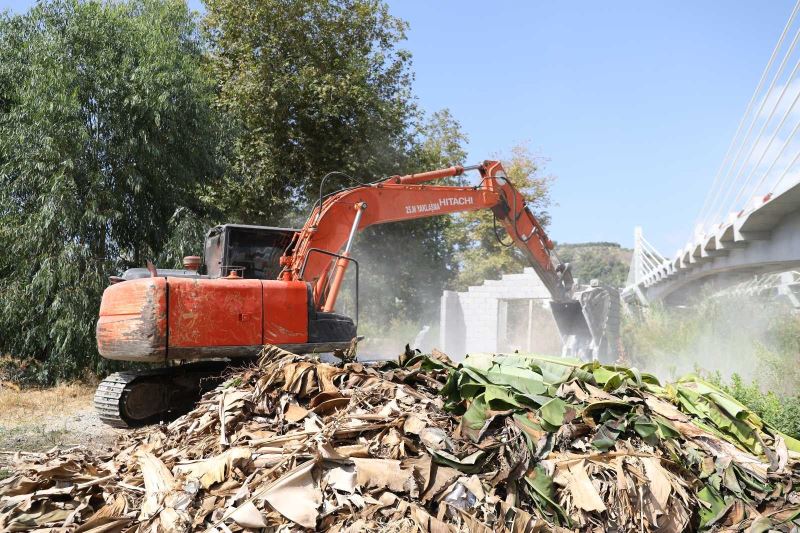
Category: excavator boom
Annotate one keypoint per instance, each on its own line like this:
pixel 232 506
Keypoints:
pixel 334 223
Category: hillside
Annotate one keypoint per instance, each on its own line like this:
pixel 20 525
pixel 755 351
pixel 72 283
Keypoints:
pixel 606 261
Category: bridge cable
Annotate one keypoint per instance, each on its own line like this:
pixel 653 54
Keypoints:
pixel 727 190
pixel 653 248
pixel 786 144
pixel 769 145
pixel 749 107
pixel 786 171
pixel 718 187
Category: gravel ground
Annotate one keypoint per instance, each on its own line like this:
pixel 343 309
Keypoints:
pixel 77 428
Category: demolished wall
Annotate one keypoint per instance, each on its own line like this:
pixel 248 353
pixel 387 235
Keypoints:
pixel 477 320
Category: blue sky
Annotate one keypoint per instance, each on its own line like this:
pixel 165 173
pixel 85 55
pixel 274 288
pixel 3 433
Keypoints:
pixel 633 103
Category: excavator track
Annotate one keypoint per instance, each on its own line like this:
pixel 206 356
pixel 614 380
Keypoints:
pixel 134 398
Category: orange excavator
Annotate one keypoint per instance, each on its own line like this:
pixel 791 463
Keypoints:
pixel 279 286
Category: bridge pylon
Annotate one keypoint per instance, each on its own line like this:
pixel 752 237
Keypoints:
pixel 647 265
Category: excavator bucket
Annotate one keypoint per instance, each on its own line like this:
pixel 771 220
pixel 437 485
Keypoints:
pixel 589 324
pixel 570 320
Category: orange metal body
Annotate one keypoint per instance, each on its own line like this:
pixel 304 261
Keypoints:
pixel 215 312
pixel 133 321
pixel 156 319
pixel 285 312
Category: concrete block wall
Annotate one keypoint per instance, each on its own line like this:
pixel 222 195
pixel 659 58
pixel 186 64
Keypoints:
pixel 470 320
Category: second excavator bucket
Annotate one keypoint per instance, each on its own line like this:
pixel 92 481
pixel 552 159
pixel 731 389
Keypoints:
pixel 589 324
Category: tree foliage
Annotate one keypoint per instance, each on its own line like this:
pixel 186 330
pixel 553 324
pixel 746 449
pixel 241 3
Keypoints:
pixel 480 253
pixel 106 130
pixel 407 264
pixel 125 132
pixel 308 87
pixel 607 262
pixel 313 86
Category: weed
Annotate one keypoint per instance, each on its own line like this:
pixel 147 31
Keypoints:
pixel 781 412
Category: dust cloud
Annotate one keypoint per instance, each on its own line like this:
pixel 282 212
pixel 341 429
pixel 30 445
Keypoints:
pixel 528 327
pixel 724 335
pixel 399 296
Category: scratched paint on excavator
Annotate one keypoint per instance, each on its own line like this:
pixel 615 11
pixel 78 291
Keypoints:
pixel 214 312
pixel 132 324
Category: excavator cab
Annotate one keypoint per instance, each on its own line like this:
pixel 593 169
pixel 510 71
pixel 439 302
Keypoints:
pixel 254 252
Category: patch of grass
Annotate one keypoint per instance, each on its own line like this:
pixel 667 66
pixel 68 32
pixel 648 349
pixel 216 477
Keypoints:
pixel 21 406
pixel 32 438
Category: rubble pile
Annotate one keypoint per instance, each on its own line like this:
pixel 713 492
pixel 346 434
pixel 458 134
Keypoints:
pixel 497 443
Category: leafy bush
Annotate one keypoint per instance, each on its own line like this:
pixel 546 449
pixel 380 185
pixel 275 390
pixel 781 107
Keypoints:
pixel 24 372
pixel 782 412
pixel 746 346
pixel 756 339
pixel 605 261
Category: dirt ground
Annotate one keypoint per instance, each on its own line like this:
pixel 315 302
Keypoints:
pixel 33 420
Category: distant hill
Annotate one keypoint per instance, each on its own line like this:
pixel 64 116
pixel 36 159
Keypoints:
pixel 606 261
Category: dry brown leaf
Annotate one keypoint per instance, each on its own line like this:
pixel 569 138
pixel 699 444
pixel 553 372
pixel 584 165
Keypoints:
pixel 659 480
pixel 158 481
pixel 296 495
pixel 107 525
pixel 676 520
pixel 326 374
pixel 247 515
pixel 331 406
pixel 172 521
pixel 295 413
pixel 109 513
pixel 427 523
pixel 14 486
pixel 384 474
pixel 442 477
pixel 342 478
pixel 414 423
pixel 213 469
pixel 574 479
pixel 664 408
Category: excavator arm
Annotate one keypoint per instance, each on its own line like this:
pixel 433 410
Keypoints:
pixel 334 223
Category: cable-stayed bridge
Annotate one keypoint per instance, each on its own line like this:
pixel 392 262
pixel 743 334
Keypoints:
pixel 749 224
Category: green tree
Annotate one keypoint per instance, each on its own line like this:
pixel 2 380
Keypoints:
pixel 605 261
pixel 308 87
pixel 106 131
pixel 313 86
pixel 480 254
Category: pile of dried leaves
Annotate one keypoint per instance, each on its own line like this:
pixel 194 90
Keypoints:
pixel 497 443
